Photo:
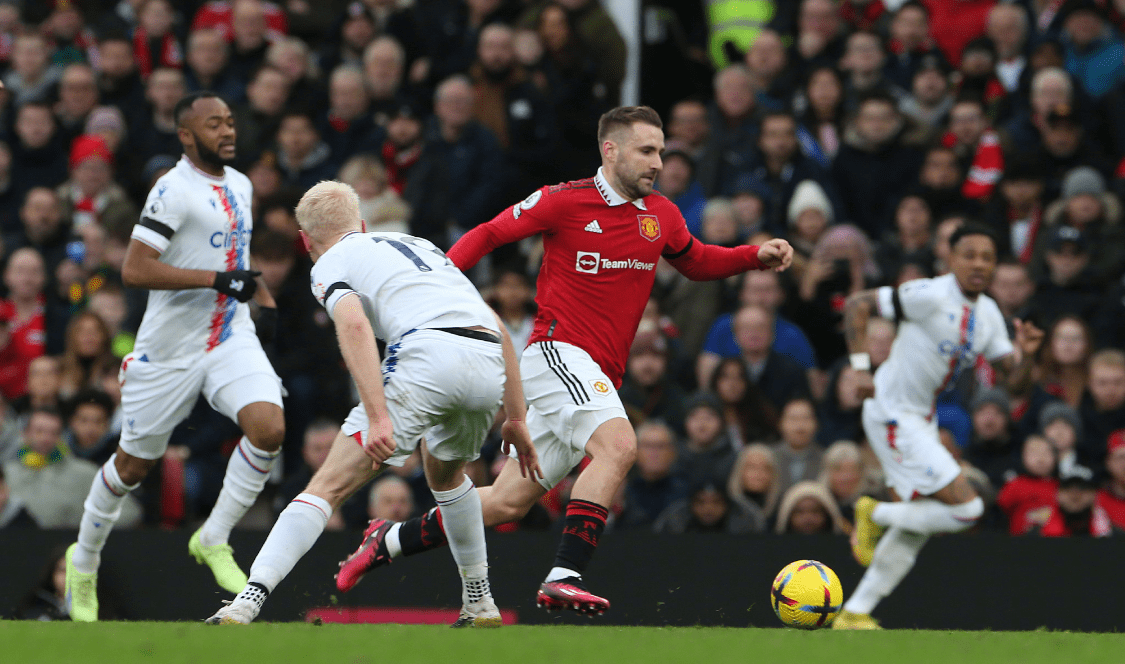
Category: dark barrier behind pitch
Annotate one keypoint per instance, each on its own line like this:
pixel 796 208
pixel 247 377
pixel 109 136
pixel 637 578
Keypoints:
pixel 960 582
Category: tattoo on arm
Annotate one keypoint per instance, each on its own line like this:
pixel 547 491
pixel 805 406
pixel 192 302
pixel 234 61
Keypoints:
pixel 857 311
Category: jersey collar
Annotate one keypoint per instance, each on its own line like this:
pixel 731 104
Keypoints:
pixel 200 172
pixel 611 197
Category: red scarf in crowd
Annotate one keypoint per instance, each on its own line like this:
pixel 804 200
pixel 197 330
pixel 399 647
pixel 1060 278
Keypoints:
pixel 986 168
pixel 862 20
pixel 398 163
pixel 171 55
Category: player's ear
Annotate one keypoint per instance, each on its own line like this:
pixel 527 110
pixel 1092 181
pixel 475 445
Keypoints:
pixel 362 226
pixel 305 240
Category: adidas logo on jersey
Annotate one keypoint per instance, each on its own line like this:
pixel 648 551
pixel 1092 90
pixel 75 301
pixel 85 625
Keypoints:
pixel 593 227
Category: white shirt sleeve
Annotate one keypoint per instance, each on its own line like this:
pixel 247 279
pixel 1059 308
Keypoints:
pixel 917 299
pixel 999 344
pixel 329 284
pixel 163 214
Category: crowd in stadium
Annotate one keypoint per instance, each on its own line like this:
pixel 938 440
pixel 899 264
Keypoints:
pixel 863 132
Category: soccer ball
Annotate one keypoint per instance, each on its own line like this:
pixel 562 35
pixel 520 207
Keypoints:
pixel 807 594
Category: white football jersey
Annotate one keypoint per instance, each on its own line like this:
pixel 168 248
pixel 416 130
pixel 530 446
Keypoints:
pixel 198 222
pixel 405 283
pixel 940 335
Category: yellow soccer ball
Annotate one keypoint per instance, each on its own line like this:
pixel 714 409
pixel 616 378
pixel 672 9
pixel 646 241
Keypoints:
pixel 807 594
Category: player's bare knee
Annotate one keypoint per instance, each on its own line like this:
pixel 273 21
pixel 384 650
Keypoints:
pixel 132 469
pixel 621 452
pixel 267 436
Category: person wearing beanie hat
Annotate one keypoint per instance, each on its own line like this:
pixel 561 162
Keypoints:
pixel 1111 497
pixel 706 453
pixel 1083 180
pixel 1076 511
pixel 91 193
pixel 1062 425
pixel 108 123
pixel 810 213
pixel 991 448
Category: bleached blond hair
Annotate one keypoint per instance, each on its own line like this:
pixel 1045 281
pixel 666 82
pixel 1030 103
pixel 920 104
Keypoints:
pixel 328 207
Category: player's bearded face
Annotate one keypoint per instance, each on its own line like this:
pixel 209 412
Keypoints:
pixel 638 162
pixel 973 262
pixel 215 150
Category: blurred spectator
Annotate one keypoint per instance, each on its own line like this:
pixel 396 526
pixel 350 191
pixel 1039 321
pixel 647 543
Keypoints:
pixel 390 498
pixel 206 66
pixel 454 187
pixel 88 426
pixel 230 17
pixel 910 44
pixel 677 182
pixel 977 147
pixel 38 150
pixel 842 473
pixel 779 377
pixel 1027 498
pixel 874 168
pixel 1016 214
pixel 1111 497
pixel 47 601
pixel 1103 405
pixel 346 125
pixel 379 204
pixel 51 482
pixel 303 157
pixel 1011 288
pixel 1062 427
pixel 863 62
pixel 513 108
pixel 292 57
pixel 1087 207
pixel 776 167
pixel 256 120
pixel 91 195
pixel 910 243
pixel 943 231
pixel 1066 146
pixel 708 510
pixel 954 24
pixel 977 78
pixel 687 129
pixel 798 455
pixel 155 132
pixel 706 454
pixel 87 354
pixel 1067 287
pixel 808 509
pixel 599 33
pixel 384 64
pixel 1092 48
pixel 32 76
pixel 403 147
pixel 119 84
pixel 22 322
pixel 647 386
pixel 939 183
pixel 78 95
pixel 810 214
pixel 719 225
pixel 1076 512
pixel 352 31
pixel 769 63
pixel 580 96
pixel 514 300
pixel 929 102
pixel 44 380
pixel 755 481
pixel 732 130
pixel 992 448
pixel 820 35
pixel 1050 90
pixel 13 513
pixel 653 486
pixel 10 197
pixel 1008 29
pixel 821 130
pixel 749 417
pixel 839 410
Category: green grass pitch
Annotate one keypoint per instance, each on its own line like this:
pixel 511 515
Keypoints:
pixel 173 643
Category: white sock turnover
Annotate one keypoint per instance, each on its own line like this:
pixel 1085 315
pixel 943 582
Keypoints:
pixel 929 516
pixel 296 530
pixel 102 509
pixel 247 472
pixel 463 524
pixel 893 559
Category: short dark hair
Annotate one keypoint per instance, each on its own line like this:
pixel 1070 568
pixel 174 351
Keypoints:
pixel 974 228
pixel 877 96
pixel 626 116
pixel 270 245
pixel 185 103
pixel 91 397
pixel 50 411
pixel 770 115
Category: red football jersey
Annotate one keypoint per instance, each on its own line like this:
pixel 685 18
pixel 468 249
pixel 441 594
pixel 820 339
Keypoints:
pixel 27 341
pixel 1114 506
pixel 599 262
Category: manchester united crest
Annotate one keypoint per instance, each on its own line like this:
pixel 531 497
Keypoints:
pixel 650 226
pixel 600 387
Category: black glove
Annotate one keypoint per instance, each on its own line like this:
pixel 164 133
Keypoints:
pixel 266 325
pixel 239 284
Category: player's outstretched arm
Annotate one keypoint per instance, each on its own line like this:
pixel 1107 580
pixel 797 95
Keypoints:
pixel 514 430
pixel 144 269
pixel 857 311
pixel 357 345
pixel 1016 368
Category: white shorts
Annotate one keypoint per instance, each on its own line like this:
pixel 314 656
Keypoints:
pixel 910 451
pixel 442 386
pixel 156 396
pixel 569 397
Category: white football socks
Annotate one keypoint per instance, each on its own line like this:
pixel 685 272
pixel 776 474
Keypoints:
pixel 102 509
pixel 296 530
pixel 893 559
pixel 247 472
pixel 394 545
pixel 464 528
pixel 928 516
